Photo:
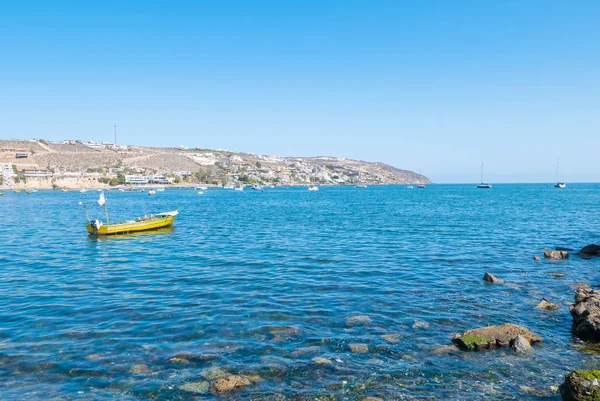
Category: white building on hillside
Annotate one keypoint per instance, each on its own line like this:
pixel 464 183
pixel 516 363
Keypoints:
pixel 137 179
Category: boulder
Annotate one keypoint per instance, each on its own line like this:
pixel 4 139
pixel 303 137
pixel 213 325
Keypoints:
pixel 357 320
pixel 490 278
pixel 581 385
pixel 546 305
pixel 358 348
pixel 557 275
pixel 536 258
pixel 196 387
pixel 556 255
pixel 446 349
pixel 392 338
pixel 229 383
pixel 590 250
pixel 586 314
pixel 420 325
pixel 520 345
pixel 493 337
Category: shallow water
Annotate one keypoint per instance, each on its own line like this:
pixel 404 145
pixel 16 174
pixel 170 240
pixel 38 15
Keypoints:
pixel 246 281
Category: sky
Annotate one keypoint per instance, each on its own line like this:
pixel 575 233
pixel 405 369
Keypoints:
pixel 433 86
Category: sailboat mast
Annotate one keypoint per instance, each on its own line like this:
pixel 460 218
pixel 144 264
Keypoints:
pixel 482 172
pixel 557 170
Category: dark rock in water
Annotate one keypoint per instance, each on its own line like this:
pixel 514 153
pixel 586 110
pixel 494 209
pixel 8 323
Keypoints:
pixel 493 337
pixel 187 358
pixel 537 258
pixel 229 383
pixel 284 333
pixel 311 350
pixel 556 255
pixel 557 275
pixel 546 305
pixel 560 248
pixel 581 385
pixel 586 313
pixel 520 345
pixel 490 278
pixel 590 250
pixel 358 320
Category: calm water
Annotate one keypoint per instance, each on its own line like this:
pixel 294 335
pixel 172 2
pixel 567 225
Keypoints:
pixel 246 281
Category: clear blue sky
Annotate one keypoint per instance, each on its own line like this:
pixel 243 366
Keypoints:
pixel 437 86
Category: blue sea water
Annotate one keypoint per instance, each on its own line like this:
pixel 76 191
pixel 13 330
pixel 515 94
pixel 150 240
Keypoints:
pixel 247 282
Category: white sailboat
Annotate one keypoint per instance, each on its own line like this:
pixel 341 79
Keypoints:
pixel 483 185
pixel 558 183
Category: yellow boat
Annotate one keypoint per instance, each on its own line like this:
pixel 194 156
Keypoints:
pixel 150 222
pixel 17 190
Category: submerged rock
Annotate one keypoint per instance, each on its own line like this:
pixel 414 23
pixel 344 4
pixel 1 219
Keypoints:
pixel 586 313
pixel 196 387
pixel 546 305
pixel 493 337
pixel 420 325
pixel 520 344
pixel 185 358
pixel 357 320
pixel 229 383
pixel 590 250
pixel 536 258
pixel 140 369
pixel 392 338
pixel 311 350
pixel 446 349
pixel 581 385
pixel 322 361
pixel 281 333
pixel 213 373
pixel 490 278
pixel 556 255
pixel 358 348
pixel 557 275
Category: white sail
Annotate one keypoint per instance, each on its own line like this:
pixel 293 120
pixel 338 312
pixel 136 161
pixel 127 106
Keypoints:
pixel 101 201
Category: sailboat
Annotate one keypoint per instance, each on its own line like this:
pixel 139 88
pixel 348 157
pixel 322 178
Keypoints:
pixel 483 185
pixel 558 183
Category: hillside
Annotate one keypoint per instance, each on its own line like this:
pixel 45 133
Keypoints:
pixel 95 161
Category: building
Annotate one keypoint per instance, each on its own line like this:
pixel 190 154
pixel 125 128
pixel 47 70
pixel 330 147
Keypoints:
pixel 36 173
pixel 159 179
pixel 137 179
pixel 7 173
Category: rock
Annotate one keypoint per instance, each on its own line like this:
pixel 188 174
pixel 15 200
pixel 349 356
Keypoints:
pixel 557 275
pixel 520 344
pixel 229 383
pixel 179 360
pixel 537 258
pixel 490 278
pixel 533 391
pixel 357 320
pixel 392 338
pixel 185 358
pixel 372 399
pixel 586 314
pixel 590 250
pixel 556 255
pixel 322 361
pixel 312 350
pixel 213 373
pixel 493 337
pixel 358 348
pixel 581 385
pixel 420 325
pixel 282 333
pixel 196 387
pixel 446 349
pixel 140 369
pixel 375 361
pixel 546 305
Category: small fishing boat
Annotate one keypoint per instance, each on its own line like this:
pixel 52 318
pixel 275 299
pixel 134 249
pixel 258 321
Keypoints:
pixel 313 188
pixel 363 185
pixel 64 190
pixel 145 223
pixel 30 191
pixel 83 191
pixel 257 188
pixel 200 192
pixel 410 187
pixel 239 187
pixel 421 186
pixel 151 192
pixel 201 188
pixel 17 190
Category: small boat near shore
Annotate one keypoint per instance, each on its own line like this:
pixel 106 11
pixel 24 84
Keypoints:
pixel 313 188
pixel 201 188
pixel 421 186
pixel 239 187
pixel 144 223
pixel 151 192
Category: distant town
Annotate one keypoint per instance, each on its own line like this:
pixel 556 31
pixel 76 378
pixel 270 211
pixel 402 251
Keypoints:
pixel 71 163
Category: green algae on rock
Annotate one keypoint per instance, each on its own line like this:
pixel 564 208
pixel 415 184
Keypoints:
pixel 581 385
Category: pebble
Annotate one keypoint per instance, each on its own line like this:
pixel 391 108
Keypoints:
pixel 358 348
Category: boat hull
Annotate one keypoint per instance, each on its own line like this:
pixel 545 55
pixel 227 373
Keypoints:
pixel 126 228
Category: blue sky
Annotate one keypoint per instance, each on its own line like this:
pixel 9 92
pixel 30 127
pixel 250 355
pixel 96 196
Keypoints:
pixel 436 86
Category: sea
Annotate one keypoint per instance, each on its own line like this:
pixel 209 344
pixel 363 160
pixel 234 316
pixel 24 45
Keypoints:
pixel 268 286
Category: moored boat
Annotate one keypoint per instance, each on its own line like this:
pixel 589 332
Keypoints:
pixel 145 223
pixel 313 188
pixel 421 186
pixel 151 192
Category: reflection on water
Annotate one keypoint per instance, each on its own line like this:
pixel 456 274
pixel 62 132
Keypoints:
pixel 158 231
pixel 262 283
